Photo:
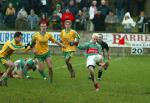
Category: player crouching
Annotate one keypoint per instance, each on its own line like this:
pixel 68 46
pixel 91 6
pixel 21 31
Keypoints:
pixel 22 66
pixel 94 56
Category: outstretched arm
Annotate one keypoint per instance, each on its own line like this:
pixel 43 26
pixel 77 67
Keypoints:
pixel 83 47
pixel 60 44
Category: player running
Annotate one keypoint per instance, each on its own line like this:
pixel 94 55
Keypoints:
pixel 41 49
pixel 70 38
pixel 94 56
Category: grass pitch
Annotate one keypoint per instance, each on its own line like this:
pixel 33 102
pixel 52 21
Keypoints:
pixel 126 81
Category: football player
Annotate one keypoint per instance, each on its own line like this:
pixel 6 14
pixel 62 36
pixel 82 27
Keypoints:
pixel 22 66
pixel 94 56
pixel 70 38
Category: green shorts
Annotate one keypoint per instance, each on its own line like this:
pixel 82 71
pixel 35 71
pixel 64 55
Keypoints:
pixel 68 54
pixel 43 56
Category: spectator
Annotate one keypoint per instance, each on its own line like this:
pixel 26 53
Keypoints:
pixel 26 4
pixel 66 3
pixel 140 6
pixel 98 21
pixel 85 17
pixel 79 21
pixel 44 19
pixel 78 4
pixel 67 15
pixel 58 10
pixel 148 24
pixel 56 21
pixel 55 4
pixel 72 7
pixel 128 23
pixel 22 13
pixel 85 3
pixel 92 12
pixel 10 16
pixel 33 20
pixel 21 21
pixel 129 4
pixel 44 6
pixel 120 8
pixel 103 8
pixel 16 4
pixel 140 22
pixel 111 21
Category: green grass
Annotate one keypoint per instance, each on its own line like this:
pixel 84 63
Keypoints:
pixel 126 81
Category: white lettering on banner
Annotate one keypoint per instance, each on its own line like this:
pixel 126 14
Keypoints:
pixel 127 40
pixel 8 35
pixel 4 36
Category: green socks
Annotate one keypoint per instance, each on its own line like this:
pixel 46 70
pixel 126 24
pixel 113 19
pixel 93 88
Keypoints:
pixel 42 74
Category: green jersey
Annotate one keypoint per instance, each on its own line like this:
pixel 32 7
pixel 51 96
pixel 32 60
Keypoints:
pixel 91 49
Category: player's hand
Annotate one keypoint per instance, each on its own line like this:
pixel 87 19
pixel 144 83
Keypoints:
pixel 63 46
pixel 106 65
pixel 27 45
pixel 74 43
pixel 108 57
pixel 71 43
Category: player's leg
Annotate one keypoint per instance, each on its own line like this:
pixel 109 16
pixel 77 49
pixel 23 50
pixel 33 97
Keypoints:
pixel 69 66
pixel 99 72
pixel 50 71
pixel 91 71
pixel 99 61
pixel 91 65
pixel 41 69
pixel 68 56
pixel 9 65
pixel 18 74
pixel 40 65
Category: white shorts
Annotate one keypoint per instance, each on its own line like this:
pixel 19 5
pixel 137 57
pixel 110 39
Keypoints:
pixel 93 59
pixel 17 65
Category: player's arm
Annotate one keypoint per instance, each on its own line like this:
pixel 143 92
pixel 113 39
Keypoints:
pixel 100 50
pixel 77 36
pixel 108 51
pixel 83 47
pixel 33 41
pixel 51 38
pixel 16 47
pixel 30 45
pixel 61 35
pixel 60 44
pixel 76 40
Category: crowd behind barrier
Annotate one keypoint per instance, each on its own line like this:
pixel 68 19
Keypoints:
pixel 86 15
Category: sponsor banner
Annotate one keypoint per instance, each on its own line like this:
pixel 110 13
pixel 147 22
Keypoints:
pixel 127 40
pixel 8 35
